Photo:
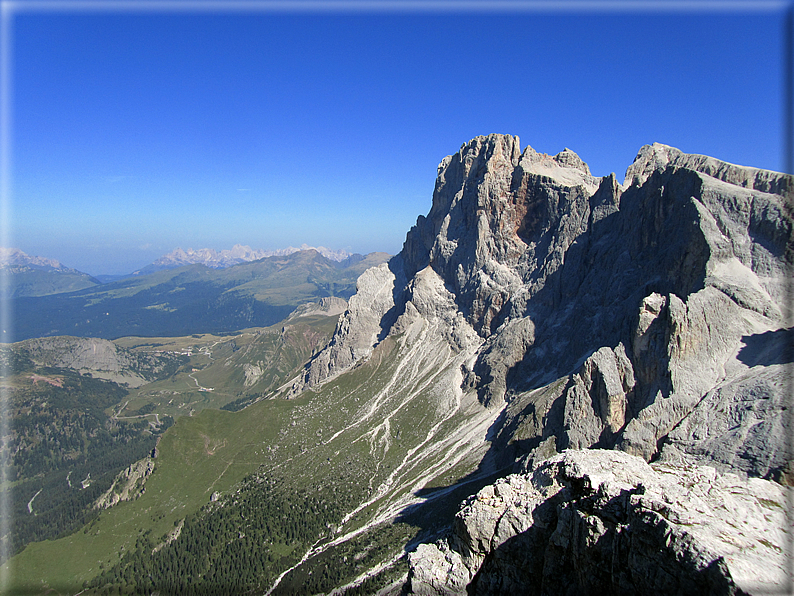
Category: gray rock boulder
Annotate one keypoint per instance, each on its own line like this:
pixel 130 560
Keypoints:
pixel 605 522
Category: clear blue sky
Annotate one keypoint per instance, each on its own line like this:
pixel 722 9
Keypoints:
pixel 135 133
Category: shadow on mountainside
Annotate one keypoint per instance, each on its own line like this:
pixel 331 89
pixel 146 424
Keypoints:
pixel 768 348
pixel 434 515
pixel 397 267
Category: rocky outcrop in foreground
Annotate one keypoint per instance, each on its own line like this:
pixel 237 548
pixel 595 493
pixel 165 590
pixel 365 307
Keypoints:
pixel 605 522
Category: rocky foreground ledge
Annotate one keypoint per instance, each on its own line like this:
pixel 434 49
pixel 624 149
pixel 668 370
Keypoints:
pixel 606 522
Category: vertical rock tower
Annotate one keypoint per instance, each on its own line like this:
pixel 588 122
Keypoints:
pixel 640 316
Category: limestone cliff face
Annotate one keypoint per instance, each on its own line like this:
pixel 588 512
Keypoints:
pixel 500 221
pixel 596 314
pixel 359 328
pixel 651 317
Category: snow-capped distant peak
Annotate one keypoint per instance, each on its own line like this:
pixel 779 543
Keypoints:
pixel 239 253
pixel 14 257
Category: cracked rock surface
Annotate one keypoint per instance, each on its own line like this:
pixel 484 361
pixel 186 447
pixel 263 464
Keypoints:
pixel 605 522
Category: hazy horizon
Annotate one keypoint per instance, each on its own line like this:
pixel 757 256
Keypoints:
pixel 189 249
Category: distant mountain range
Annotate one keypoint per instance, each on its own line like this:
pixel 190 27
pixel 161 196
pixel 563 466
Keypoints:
pixel 227 258
pixel 38 276
pixel 191 298
pixel 41 276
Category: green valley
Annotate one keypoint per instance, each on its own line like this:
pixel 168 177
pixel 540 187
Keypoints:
pixel 299 495
pixel 73 432
pixel 191 299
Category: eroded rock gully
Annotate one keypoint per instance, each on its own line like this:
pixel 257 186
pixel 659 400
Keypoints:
pixel 649 318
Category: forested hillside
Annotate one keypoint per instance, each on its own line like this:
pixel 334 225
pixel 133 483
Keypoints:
pixel 63 448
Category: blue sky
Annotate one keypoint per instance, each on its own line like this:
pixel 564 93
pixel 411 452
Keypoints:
pixel 136 132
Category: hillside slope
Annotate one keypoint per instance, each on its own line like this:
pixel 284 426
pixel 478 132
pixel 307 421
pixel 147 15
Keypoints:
pixel 85 411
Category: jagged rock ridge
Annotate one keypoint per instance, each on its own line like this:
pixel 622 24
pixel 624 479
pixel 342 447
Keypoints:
pixel 649 317
pixel 604 314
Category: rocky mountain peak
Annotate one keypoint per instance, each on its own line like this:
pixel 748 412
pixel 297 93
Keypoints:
pixel 658 157
pixel 29 276
pixel 566 166
pixel 535 274
pixel 650 158
pixel 568 158
pixel 495 224
pixel 14 257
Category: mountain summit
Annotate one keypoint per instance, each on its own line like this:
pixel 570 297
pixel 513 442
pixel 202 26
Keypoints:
pixel 229 257
pixel 649 317
pixel 640 304
pixel 15 258
pixel 28 275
